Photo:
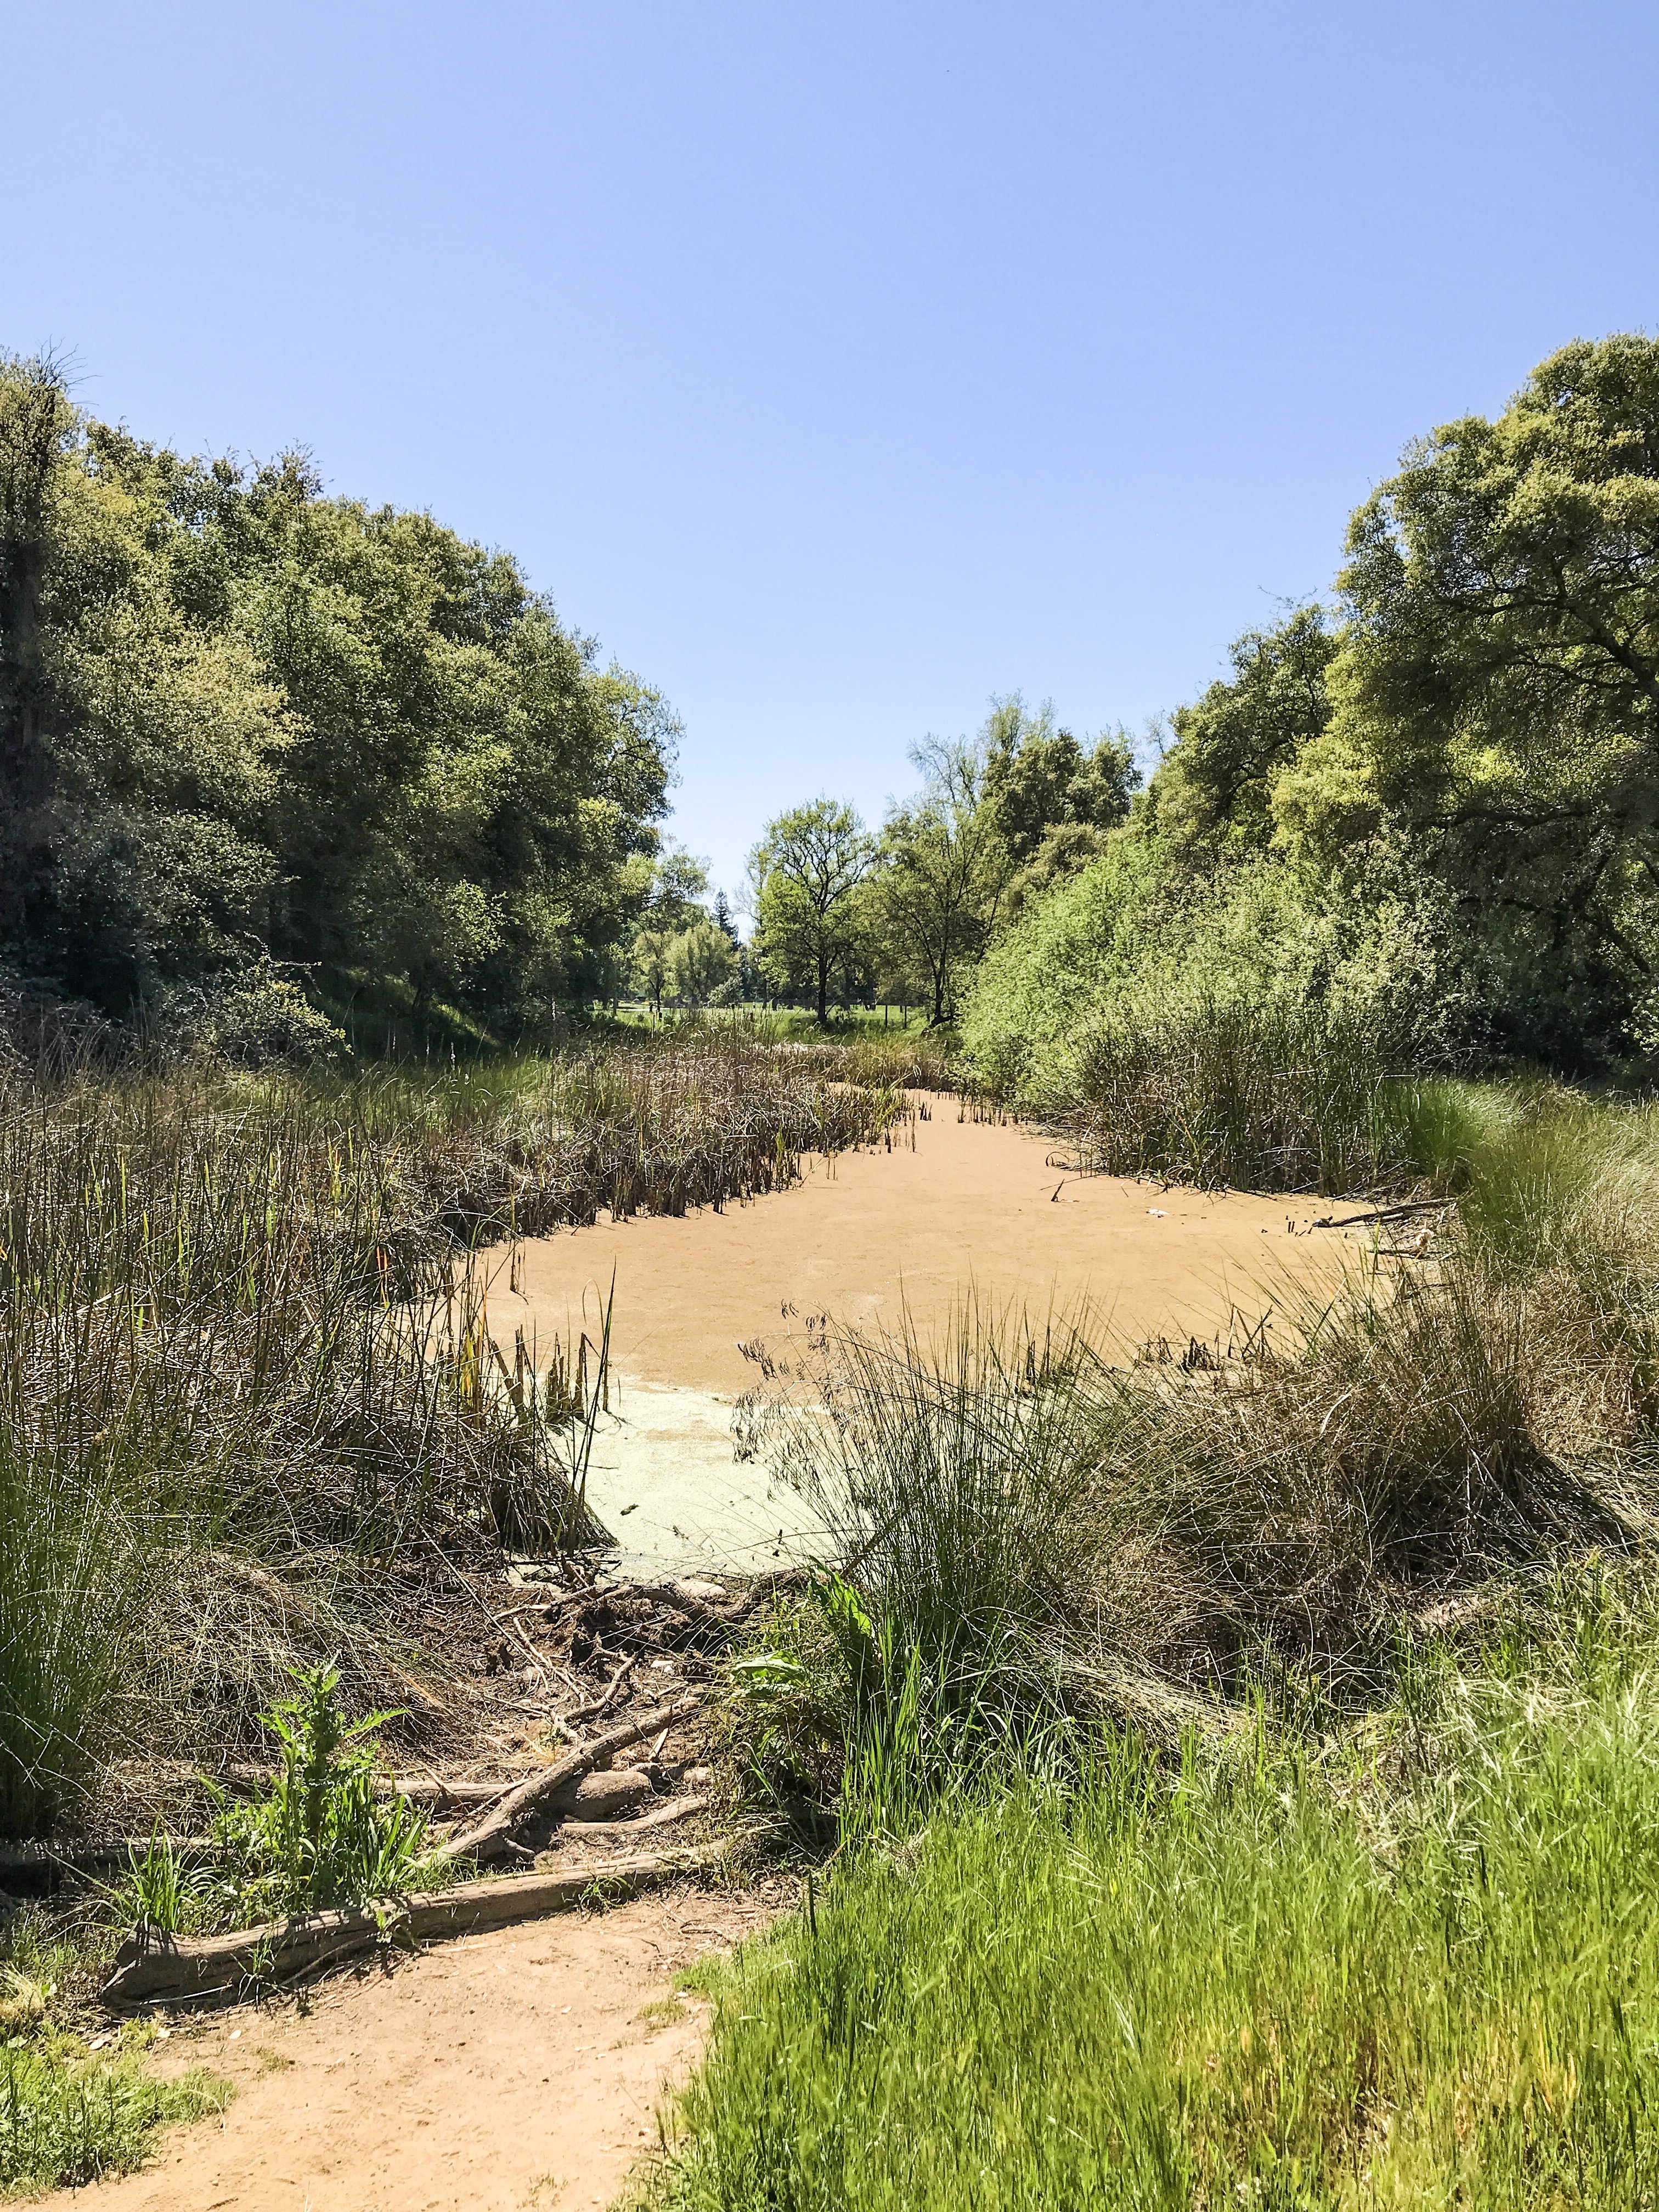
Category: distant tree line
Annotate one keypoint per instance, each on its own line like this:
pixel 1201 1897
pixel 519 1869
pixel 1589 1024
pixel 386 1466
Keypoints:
pixel 270 758
pixel 264 748
pixel 904 914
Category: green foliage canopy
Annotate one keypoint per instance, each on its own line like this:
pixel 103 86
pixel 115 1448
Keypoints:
pixel 1496 691
pixel 1214 791
pixel 805 870
pixel 932 901
pixel 244 722
pixel 1051 803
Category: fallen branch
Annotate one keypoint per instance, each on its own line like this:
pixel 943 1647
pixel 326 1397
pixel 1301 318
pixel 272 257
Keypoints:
pixel 510 1623
pixel 677 1808
pixel 1383 1214
pixel 670 1592
pixel 674 1595
pixel 601 1705
pixel 83 1856
pixel 434 1795
pixel 150 1966
pixel 492 1837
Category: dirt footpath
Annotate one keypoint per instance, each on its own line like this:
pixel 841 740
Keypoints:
pixel 518 2071
pixel 982 1205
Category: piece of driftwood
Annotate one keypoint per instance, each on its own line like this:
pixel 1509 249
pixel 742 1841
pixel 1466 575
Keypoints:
pixel 1383 1214
pixel 676 1809
pixel 600 1797
pixel 606 1790
pixel 675 1594
pixel 84 1853
pixel 150 1968
pixel 492 1839
pixel 601 1705
pixel 434 1795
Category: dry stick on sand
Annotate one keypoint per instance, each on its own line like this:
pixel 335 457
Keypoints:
pixel 677 1808
pixel 151 1967
pixel 601 1705
pixel 492 1839
pixel 1384 1213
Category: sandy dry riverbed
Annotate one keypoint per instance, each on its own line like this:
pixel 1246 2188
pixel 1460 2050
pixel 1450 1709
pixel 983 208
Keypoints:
pixel 956 1207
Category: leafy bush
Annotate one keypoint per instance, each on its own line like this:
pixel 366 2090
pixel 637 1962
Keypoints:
pixel 1235 1029
pixel 265 1020
pixel 324 1833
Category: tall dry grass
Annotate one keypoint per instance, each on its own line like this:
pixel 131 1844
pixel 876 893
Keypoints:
pixel 1030 1506
pixel 240 1330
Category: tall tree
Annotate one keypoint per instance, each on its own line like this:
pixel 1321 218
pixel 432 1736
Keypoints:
pixel 241 722
pixel 944 861
pixel 701 959
pixel 37 427
pixel 1051 799
pixel 679 890
pixel 1215 786
pixel 805 871
pixel 1038 777
pixel 1496 689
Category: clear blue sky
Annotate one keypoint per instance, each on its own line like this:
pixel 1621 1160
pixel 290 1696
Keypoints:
pixel 836 366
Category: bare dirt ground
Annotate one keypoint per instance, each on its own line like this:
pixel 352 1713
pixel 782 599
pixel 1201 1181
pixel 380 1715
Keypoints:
pixel 519 2071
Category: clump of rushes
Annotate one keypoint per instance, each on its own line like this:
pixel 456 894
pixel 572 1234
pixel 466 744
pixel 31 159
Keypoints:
pixel 956 1477
pixel 242 1324
pixel 1275 1097
pixel 1059 1528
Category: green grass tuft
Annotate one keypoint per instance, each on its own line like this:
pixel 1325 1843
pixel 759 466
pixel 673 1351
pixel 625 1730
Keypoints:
pixel 66 2121
pixel 1410 1963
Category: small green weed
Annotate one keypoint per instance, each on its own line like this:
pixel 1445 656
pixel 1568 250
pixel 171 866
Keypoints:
pixel 162 1891
pixel 324 1835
